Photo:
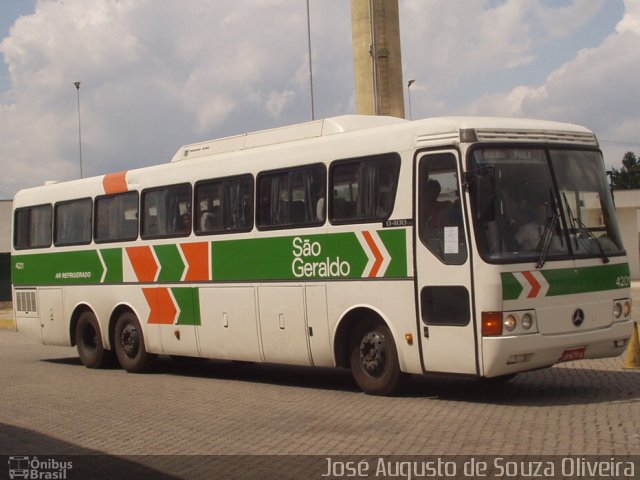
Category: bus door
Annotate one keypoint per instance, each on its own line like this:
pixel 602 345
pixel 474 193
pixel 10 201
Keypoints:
pixel 442 267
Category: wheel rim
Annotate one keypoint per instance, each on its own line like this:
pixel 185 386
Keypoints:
pixel 129 340
pixel 373 353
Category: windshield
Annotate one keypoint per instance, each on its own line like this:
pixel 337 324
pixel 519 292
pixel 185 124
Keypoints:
pixel 534 204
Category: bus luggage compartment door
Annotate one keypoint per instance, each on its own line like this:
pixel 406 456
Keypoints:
pixel 55 330
pixel 229 327
pixel 283 324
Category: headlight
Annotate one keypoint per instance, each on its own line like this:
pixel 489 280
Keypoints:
pixel 626 309
pixel 526 321
pixel 510 323
pixel 617 310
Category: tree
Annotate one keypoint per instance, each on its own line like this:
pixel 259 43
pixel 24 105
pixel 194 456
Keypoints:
pixel 628 177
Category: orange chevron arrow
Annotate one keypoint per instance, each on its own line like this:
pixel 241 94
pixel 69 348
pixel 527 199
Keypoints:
pixel 376 252
pixel 197 256
pixel 163 308
pixel 144 263
pixel 535 285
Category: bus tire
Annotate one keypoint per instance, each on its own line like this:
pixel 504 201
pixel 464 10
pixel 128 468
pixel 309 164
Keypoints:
pixel 89 342
pixel 374 358
pixel 129 345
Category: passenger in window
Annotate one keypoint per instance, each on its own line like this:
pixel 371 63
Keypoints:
pixel 320 209
pixel 528 236
pixel 437 212
pixel 185 223
pixel 382 210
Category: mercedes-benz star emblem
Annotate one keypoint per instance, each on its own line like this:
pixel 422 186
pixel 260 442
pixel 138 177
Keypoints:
pixel 578 317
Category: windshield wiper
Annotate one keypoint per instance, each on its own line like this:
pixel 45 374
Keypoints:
pixel 545 239
pixel 583 228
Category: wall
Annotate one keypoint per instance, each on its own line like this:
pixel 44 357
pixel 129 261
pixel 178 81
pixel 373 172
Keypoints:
pixel 5 250
pixel 627 205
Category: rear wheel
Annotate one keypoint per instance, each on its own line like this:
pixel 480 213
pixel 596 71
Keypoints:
pixel 374 358
pixel 129 345
pixel 89 343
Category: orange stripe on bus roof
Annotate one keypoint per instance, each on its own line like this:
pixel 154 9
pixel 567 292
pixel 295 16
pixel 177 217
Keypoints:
pixel 115 183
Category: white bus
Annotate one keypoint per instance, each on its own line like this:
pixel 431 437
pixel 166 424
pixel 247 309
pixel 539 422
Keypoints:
pixel 473 246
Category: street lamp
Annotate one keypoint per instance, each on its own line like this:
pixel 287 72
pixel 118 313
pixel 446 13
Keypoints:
pixel 409 83
pixel 310 68
pixel 77 84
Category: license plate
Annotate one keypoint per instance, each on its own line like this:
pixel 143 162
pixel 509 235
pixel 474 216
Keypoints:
pixel 573 354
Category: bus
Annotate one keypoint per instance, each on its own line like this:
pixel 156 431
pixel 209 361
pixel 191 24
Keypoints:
pixel 473 246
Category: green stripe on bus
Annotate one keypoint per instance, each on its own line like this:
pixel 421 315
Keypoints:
pixel 396 243
pixel 347 255
pixel 188 300
pixel 171 263
pixel 338 255
pixel 568 281
pixel 63 268
pixel 112 258
pixel 511 288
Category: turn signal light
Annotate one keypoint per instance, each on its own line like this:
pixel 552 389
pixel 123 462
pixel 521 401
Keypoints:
pixel 491 324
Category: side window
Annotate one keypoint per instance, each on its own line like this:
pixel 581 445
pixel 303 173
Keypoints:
pixel 32 227
pixel 363 190
pixel 224 205
pixel 440 210
pixel 292 198
pixel 73 222
pixel 166 212
pixel 116 217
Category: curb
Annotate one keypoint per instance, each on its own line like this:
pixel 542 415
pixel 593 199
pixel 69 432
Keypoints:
pixel 7 325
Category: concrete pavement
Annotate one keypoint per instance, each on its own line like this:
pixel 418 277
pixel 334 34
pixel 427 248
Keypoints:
pixel 6 316
pixel 283 415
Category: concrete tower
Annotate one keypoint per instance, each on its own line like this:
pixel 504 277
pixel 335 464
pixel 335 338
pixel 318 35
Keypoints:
pixel 378 62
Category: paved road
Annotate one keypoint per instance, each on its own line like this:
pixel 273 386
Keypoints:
pixel 53 405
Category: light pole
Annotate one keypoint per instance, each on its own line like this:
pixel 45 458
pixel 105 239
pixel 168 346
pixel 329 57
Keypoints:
pixel 77 84
pixel 409 83
pixel 310 68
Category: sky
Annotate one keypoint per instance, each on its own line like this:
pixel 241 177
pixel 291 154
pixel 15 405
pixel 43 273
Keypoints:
pixel 158 74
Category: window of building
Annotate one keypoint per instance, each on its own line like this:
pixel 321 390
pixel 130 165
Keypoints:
pixel 292 198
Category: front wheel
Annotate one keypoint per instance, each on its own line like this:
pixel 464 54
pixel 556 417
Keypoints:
pixel 374 358
pixel 89 343
pixel 129 344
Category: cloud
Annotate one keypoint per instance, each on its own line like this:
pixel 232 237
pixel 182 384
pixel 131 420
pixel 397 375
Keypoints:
pixel 631 19
pixel 156 75
pixel 598 88
pixel 459 51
